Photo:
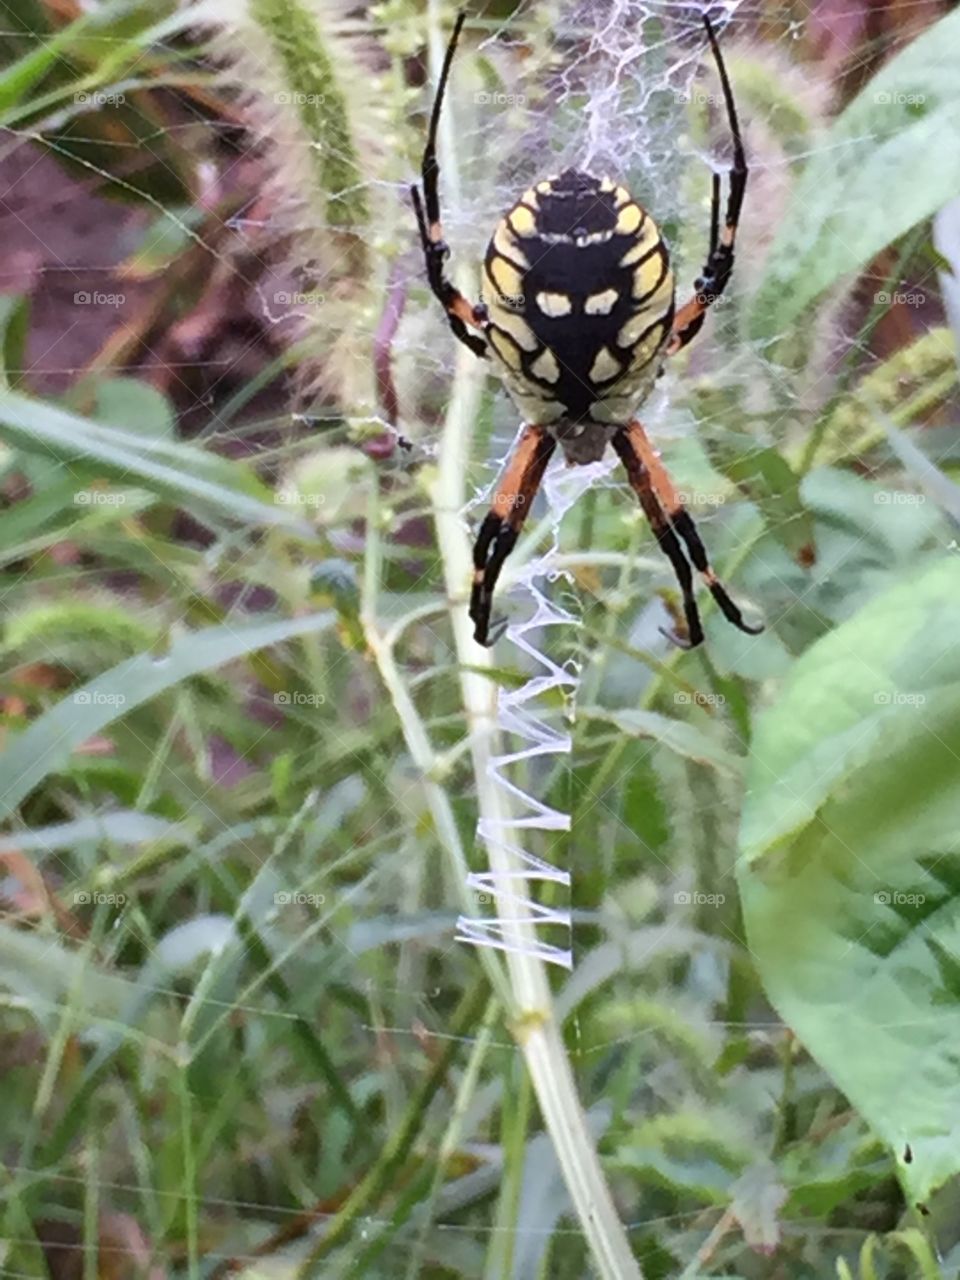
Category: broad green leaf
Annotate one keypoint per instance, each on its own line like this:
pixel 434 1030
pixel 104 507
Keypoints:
pixel 46 745
pixel 850 865
pixel 890 160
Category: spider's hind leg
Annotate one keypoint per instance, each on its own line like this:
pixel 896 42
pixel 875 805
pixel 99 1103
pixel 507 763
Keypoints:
pixel 502 524
pixel 647 472
pixel 641 483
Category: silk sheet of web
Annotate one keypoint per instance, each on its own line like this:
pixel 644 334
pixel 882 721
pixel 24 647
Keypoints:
pixel 611 101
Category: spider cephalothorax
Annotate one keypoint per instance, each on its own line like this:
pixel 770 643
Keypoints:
pixel 577 308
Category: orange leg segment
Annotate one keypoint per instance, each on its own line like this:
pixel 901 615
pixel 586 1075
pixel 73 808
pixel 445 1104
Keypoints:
pixel 501 527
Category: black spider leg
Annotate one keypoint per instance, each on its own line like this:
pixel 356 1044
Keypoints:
pixel 715 275
pixel 459 311
pixel 685 527
pixel 663 531
pixel 502 524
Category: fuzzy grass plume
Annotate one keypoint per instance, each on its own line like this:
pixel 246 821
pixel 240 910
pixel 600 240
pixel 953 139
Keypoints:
pixel 291 65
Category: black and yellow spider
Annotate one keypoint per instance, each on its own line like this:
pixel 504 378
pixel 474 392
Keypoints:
pixel 578 308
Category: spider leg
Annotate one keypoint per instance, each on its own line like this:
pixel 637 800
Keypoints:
pixel 460 312
pixel 641 483
pixel 502 524
pixel 716 273
pixel 644 467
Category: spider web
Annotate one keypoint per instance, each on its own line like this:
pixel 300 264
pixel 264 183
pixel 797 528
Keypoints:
pixel 604 86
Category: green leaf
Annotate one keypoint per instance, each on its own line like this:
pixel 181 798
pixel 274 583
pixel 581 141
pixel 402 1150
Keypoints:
pixel 683 738
pixel 850 865
pixel 890 160
pixel 122 402
pixel 186 473
pixel 46 745
pixel 14 324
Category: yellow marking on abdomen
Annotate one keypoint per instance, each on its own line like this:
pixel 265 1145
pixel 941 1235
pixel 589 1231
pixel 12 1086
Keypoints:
pixel 635 327
pixel 522 221
pixel 545 366
pixel 506 349
pixel 648 277
pixel 507 281
pixel 507 247
pixel 646 241
pixel 629 220
pixel 513 324
pixel 604 366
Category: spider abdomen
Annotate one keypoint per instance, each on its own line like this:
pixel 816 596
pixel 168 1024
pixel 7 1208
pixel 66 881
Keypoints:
pixel 579 298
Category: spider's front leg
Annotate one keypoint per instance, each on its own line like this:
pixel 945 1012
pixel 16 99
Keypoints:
pixel 461 313
pixel 502 524
pixel 671 523
pixel 718 268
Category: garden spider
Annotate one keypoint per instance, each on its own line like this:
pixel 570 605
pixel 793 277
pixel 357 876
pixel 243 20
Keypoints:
pixel 579 313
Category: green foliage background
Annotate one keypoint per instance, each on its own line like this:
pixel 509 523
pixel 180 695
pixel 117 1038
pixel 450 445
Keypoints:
pixel 230 997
